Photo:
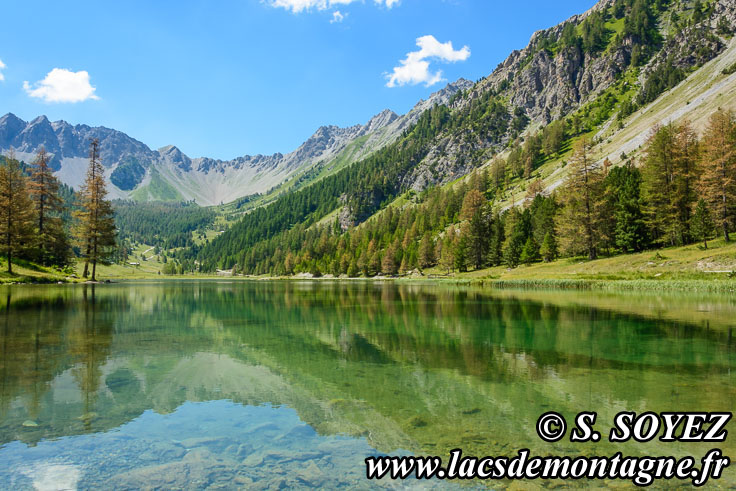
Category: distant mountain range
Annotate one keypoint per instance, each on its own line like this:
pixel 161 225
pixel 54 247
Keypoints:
pixel 136 171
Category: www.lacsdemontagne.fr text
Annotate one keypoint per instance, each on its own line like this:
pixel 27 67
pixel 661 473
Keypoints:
pixel 642 471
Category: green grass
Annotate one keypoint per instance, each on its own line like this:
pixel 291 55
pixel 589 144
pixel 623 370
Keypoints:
pixel 687 268
pixel 680 268
pixel 616 26
pixel 157 190
pixel 28 272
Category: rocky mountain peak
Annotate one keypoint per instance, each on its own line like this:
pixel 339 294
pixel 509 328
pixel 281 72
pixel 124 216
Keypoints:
pixel 10 126
pixel 384 118
pixel 40 120
pixel 175 156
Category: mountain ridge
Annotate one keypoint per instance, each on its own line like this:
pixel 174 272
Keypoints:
pixel 132 166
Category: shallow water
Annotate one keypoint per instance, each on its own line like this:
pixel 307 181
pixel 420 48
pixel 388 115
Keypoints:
pixel 225 384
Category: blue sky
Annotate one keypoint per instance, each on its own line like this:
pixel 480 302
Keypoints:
pixel 233 77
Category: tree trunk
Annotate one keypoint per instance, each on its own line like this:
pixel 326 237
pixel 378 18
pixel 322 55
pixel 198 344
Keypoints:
pixel 86 262
pixel 8 243
pixel 94 260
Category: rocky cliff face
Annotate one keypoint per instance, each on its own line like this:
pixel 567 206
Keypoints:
pixel 548 86
pixel 551 84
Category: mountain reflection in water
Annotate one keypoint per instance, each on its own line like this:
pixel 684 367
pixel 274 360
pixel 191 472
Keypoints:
pixel 217 383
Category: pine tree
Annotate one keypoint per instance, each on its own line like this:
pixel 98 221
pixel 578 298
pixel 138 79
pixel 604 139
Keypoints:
pixel 353 270
pixel 515 237
pixel 580 220
pixel 374 264
pixel 530 252
pixel 460 251
pixel 553 137
pixel 53 243
pixel 477 237
pixel 702 222
pixel 498 173
pixel 697 12
pixel 447 257
pixel 718 179
pixel 513 249
pixel 16 211
pixel 426 251
pixel 530 155
pixel 496 241
pixel 623 191
pixel 548 251
pixel 96 216
pixel 344 263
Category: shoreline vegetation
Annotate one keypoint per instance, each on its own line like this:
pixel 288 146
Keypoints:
pixel 41 233
pixel 684 268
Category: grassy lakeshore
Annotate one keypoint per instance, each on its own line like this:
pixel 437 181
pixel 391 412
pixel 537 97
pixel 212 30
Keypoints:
pixel 683 268
pixel 691 268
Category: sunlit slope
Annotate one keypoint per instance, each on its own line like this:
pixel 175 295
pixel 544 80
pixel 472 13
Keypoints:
pixel 694 99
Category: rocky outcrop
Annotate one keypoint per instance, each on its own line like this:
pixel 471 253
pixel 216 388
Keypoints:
pixel 690 48
pixel 551 84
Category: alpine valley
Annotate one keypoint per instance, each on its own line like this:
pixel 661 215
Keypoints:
pixel 391 195
pixel 139 173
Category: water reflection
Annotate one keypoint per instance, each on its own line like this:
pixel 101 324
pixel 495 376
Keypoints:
pixel 416 368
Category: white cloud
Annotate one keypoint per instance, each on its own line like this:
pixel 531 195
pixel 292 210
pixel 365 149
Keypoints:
pixel 297 6
pixel 338 17
pixel 62 85
pixel 2 66
pixel 414 69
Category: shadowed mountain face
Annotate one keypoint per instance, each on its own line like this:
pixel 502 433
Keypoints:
pixel 136 171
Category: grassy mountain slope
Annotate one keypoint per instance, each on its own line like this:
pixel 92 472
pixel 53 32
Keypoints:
pixel 603 73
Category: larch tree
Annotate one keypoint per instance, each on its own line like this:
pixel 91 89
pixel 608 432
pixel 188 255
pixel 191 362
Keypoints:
pixel 580 220
pixel 702 222
pixel 426 251
pixel 446 254
pixel 669 175
pixel 53 245
pixel 389 263
pixel 96 217
pixel 686 176
pixel 658 187
pixel 718 178
pixel 16 210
